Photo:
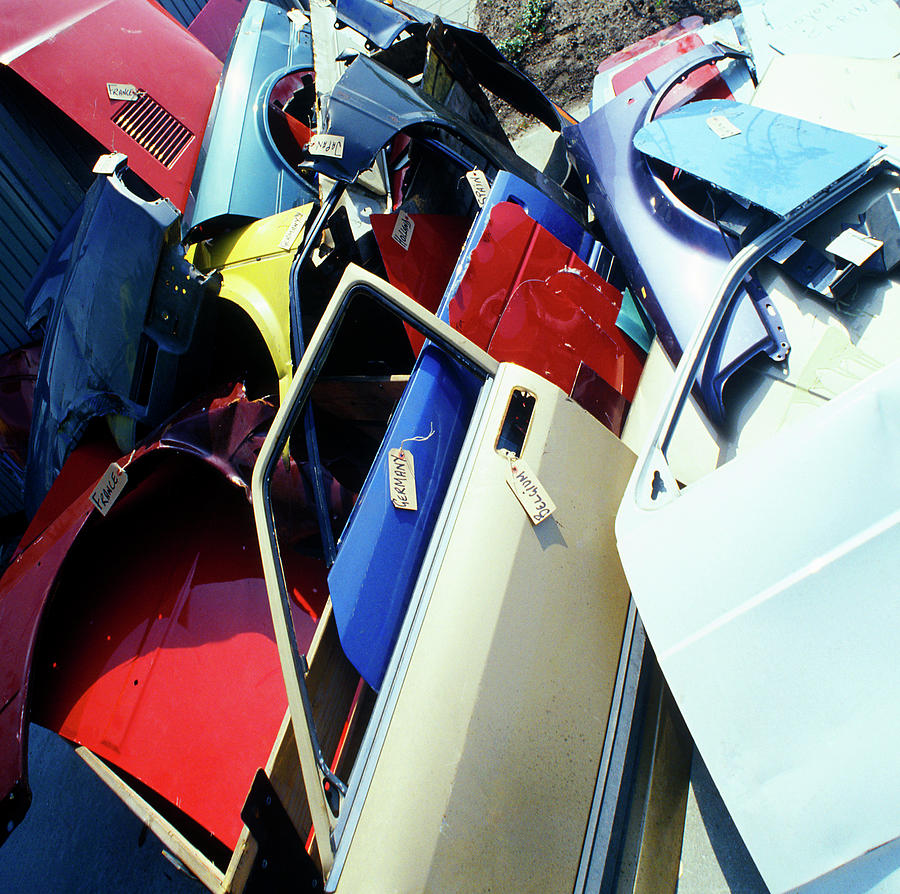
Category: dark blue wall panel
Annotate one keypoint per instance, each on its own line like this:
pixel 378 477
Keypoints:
pixel 186 10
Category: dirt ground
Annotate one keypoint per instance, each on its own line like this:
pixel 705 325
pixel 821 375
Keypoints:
pixel 558 43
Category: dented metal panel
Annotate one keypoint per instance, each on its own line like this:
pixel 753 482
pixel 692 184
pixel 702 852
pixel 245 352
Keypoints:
pixel 122 332
pixel 527 298
pixel 103 687
pixel 355 113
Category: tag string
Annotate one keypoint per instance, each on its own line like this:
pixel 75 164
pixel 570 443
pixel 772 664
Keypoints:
pixel 418 437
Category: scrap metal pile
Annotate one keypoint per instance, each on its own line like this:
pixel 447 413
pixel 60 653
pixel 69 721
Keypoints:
pixel 326 368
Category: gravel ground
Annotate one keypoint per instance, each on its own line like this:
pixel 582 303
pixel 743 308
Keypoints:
pixel 558 43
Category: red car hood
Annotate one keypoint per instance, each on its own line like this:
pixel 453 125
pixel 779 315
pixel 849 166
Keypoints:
pixel 71 51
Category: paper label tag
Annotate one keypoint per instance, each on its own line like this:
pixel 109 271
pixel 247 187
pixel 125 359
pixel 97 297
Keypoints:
pixel 109 487
pixel 402 479
pixel 403 230
pixel 480 186
pixel 293 231
pixel 785 250
pixel 326 144
pixel 722 127
pixel 529 491
pixel 854 246
pixel 122 91
pixel 298 17
pixel 107 164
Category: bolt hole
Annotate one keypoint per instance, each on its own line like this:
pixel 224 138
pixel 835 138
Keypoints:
pixel 658 486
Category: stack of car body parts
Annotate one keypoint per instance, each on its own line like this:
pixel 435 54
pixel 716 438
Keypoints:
pixel 399 515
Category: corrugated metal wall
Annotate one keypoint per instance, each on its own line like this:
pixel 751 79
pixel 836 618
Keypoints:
pixel 183 10
pixel 186 10
pixel 45 168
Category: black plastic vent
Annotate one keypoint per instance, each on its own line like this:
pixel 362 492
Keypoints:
pixel 153 128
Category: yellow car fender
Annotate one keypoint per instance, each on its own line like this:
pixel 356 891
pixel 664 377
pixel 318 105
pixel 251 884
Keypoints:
pixel 255 263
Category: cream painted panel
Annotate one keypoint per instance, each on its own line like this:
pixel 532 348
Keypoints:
pixel 696 445
pixel 487 771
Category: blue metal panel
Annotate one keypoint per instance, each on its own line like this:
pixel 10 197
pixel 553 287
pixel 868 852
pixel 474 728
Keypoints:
pixel 376 21
pixel 240 176
pixel 655 236
pixel 382 547
pixel 91 350
pixel 129 332
pixel 49 278
pixel 775 161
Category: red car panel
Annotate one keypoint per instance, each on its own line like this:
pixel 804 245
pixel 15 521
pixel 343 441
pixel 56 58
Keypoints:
pixel 156 649
pixel 529 299
pixel 71 51
pixel 422 267
pixel 165 664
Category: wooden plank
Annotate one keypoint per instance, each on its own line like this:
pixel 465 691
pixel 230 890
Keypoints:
pixel 245 851
pixel 331 683
pixel 194 859
pixel 241 863
pixel 360 398
pixel 361 712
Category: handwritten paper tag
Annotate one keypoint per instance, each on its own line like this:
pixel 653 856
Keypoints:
pixel 403 230
pixel 854 246
pixel 529 491
pixel 722 127
pixel 402 479
pixel 480 186
pixel 109 487
pixel 295 227
pixel 326 144
pixel 122 91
